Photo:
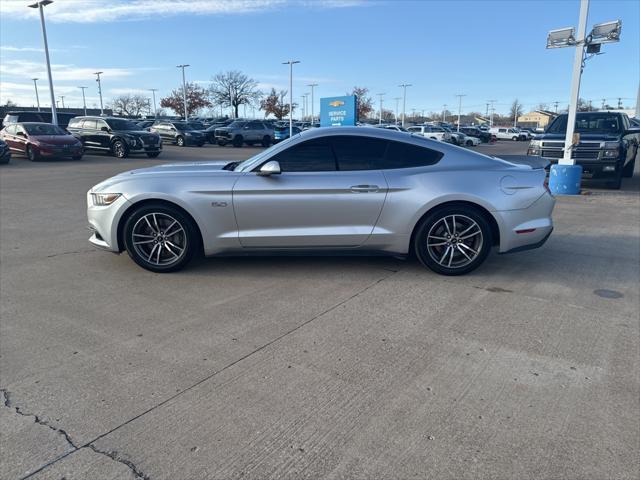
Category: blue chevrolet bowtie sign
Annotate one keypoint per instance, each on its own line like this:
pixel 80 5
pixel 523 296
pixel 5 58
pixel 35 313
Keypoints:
pixel 338 111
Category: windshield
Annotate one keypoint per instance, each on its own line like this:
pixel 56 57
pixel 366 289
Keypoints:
pixel 117 124
pixel 588 123
pixel 237 124
pixel 182 126
pixel 42 129
pixel 196 125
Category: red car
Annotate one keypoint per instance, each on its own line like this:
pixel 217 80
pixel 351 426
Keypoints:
pixel 41 140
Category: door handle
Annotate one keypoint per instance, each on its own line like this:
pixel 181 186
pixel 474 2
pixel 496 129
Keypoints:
pixel 364 188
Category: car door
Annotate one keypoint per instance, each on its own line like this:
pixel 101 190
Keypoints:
pixel 9 136
pixel 310 204
pixel 257 131
pixel 103 134
pixel 87 133
pixel 21 139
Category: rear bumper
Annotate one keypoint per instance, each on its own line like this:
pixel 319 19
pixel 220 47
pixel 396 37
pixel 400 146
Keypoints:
pixel 526 228
pixel 530 246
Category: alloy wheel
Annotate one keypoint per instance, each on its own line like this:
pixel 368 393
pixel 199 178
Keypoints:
pixel 159 238
pixel 454 241
pixel 119 149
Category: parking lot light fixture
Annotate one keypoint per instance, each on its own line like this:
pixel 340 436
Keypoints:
pixel 84 101
pixel 491 102
pixel 444 112
pixel 312 85
pixel 291 63
pixel 40 6
pixel 397 99
pixel 460 95
pixel 97 74
pixel 404 100
pixel 184 89
pixel 35 84
pixel 380 115
pixel 62 100
pixel 155 109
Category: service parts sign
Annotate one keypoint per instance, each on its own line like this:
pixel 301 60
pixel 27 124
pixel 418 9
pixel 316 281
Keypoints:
pixel 338 111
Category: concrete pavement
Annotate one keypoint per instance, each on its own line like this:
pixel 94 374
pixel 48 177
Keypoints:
pixel 314 367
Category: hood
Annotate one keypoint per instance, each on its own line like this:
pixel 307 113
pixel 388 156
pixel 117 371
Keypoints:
pixel 136 133
pixel 192 168
pixel 56 139
pixel 600 137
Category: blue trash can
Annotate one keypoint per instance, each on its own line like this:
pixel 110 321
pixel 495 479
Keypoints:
pixel 565 179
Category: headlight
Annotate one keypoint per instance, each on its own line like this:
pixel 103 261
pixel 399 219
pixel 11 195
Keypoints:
pixel 187 134
pixel 104 199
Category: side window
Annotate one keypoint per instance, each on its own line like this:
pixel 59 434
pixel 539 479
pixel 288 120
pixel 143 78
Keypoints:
pixel 413 129
pixel 75 122
pixel 100 124
pixel 502 130
pixel 311 156
pixel 406 155
pixel 256 126
pixel 89 124
pixel 11 129
pixel 358 153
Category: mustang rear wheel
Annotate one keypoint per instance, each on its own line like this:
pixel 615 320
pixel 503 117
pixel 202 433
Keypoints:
pixel 453 240
pixel 160 238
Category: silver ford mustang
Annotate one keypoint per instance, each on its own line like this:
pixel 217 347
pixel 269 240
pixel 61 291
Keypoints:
pixel 343 189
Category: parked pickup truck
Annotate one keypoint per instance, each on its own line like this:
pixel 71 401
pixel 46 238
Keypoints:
pixel 607 149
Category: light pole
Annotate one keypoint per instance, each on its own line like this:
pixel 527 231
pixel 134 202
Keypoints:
pixel 515 113
pixel 492 110
pixel 404 99
pixel 155 109
pixel 460 95
pixel 567 180
pixel 397 99
pixel 312 85
pixel 380 116
pixel 62 100
pixel 184 89
pixel 40 5
pixel 291 63
pixel 97 74
pixel 84 102
pixel 444 112
pixel 36 87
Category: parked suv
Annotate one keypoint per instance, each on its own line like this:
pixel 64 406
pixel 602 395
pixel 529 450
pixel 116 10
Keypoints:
pixel 245 132
pixel 483 135
pixel 178 132
pixel 118 136
pixel 431 131
pixel 607 149
pixel 31 116
pixel 5 153
pixel 506 133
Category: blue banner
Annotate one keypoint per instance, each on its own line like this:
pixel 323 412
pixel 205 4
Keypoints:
pixel 338 111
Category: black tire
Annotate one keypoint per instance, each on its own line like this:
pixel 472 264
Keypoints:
pixel 627 171
pixel 201 144
pixel 515 139
pixel 433 227
pixel 32 155
pixel 180 141
pixel 153 154
pixel 76 157
pixel 188 238
pixel 469 143
pixel 119 149
pixel 221 143
pixel 5 160
pixel 266 141
pixel 238 141
pixel 616 183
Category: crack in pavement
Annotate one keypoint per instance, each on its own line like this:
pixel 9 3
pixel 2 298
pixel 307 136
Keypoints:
pixel 36 418
pixel 114 455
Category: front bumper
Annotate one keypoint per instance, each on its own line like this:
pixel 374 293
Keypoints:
pixel 5 156
pixel 103 222
pixel 605 168
pixel 60 151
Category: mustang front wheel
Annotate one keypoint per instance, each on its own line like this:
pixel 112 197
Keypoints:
pixel 453 240
pixel 160 238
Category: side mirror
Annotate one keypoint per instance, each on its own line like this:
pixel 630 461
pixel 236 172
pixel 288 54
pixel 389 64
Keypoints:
pixel 270 168
pixel 20 134
pixel 105 129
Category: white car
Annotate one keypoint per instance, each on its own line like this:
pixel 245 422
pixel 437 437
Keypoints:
pixel 470 141
pixel 431 131
pixel 506 133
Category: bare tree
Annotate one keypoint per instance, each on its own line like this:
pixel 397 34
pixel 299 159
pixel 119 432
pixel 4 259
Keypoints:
pixel 130 105
pixel 234 88
pixel 365 104
pixel 516 110
pixel 196 99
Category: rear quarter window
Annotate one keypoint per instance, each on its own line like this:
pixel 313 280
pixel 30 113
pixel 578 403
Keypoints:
pixel 358 153
pixel 406 155
pixel 75 122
